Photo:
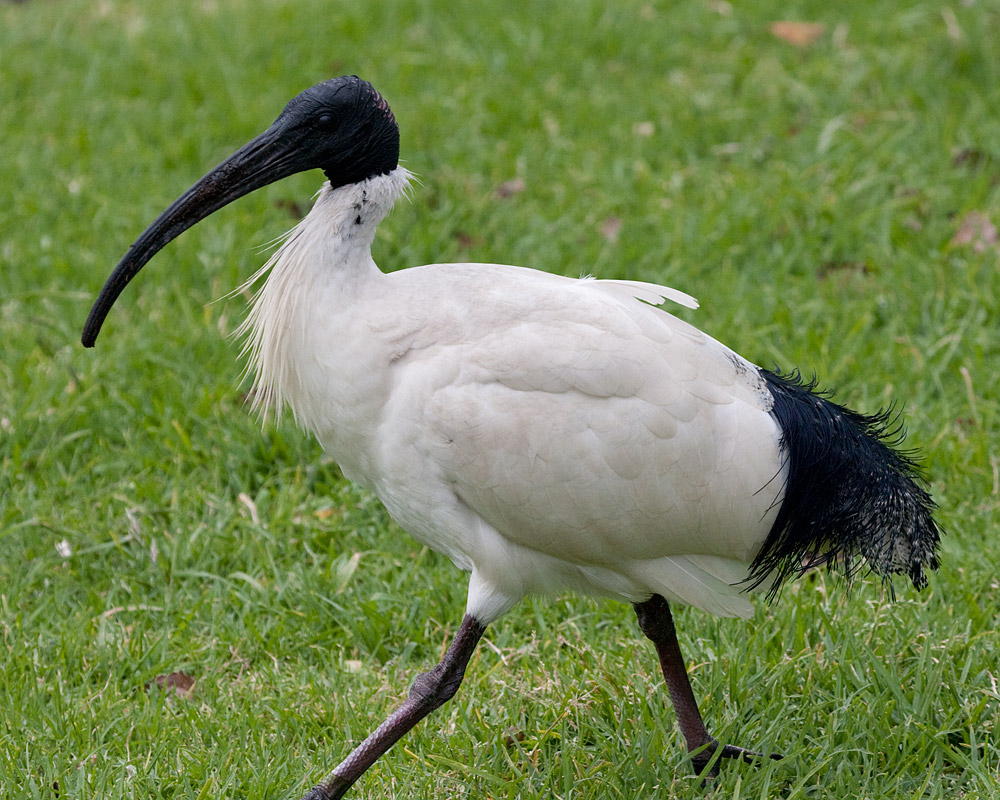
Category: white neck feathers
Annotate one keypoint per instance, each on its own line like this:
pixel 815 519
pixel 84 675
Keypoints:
pixel 330 247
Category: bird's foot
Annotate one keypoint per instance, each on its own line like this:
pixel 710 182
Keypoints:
pixel 332 787
pixel 707 758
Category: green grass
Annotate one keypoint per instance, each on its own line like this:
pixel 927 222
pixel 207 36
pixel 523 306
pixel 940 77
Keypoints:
pixel 809 197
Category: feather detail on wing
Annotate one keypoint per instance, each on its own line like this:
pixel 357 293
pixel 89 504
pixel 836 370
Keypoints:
pixel 604 433
pixel 650 293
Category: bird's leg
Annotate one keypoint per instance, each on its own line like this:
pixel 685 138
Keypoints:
pixel 429 691
pixel 657 623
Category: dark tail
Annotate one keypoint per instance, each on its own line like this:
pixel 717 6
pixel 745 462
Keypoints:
pixel 851 497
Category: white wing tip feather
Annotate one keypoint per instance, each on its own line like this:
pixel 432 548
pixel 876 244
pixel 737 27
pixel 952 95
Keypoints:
pixel 651 293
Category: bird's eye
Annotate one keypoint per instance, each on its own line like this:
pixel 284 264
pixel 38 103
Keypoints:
pixel 324 122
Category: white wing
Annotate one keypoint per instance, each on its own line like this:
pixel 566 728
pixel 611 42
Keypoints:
pixel 608 439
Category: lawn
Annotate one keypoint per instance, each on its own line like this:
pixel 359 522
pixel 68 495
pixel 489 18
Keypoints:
pixel 831 202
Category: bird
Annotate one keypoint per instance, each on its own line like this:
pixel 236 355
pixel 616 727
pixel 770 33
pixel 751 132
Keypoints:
pixel 547 434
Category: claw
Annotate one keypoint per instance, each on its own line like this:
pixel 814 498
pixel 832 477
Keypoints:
pixel 706 764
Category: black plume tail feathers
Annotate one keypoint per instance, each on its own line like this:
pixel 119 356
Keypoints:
pixel 852 498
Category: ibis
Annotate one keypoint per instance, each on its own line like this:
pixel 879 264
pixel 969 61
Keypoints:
pixel 546 434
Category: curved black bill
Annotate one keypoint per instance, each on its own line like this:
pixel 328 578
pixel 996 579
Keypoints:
pixel 342 126
pixel 264 160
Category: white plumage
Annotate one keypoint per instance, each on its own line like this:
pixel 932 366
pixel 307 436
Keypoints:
pixel 545 433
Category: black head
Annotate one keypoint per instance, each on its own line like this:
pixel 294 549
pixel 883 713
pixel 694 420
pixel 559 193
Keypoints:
pixel 341 126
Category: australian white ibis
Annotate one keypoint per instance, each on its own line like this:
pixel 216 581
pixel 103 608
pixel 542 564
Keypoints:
pixel 545 433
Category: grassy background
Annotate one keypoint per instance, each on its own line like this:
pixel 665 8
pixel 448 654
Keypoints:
pixel 810 197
